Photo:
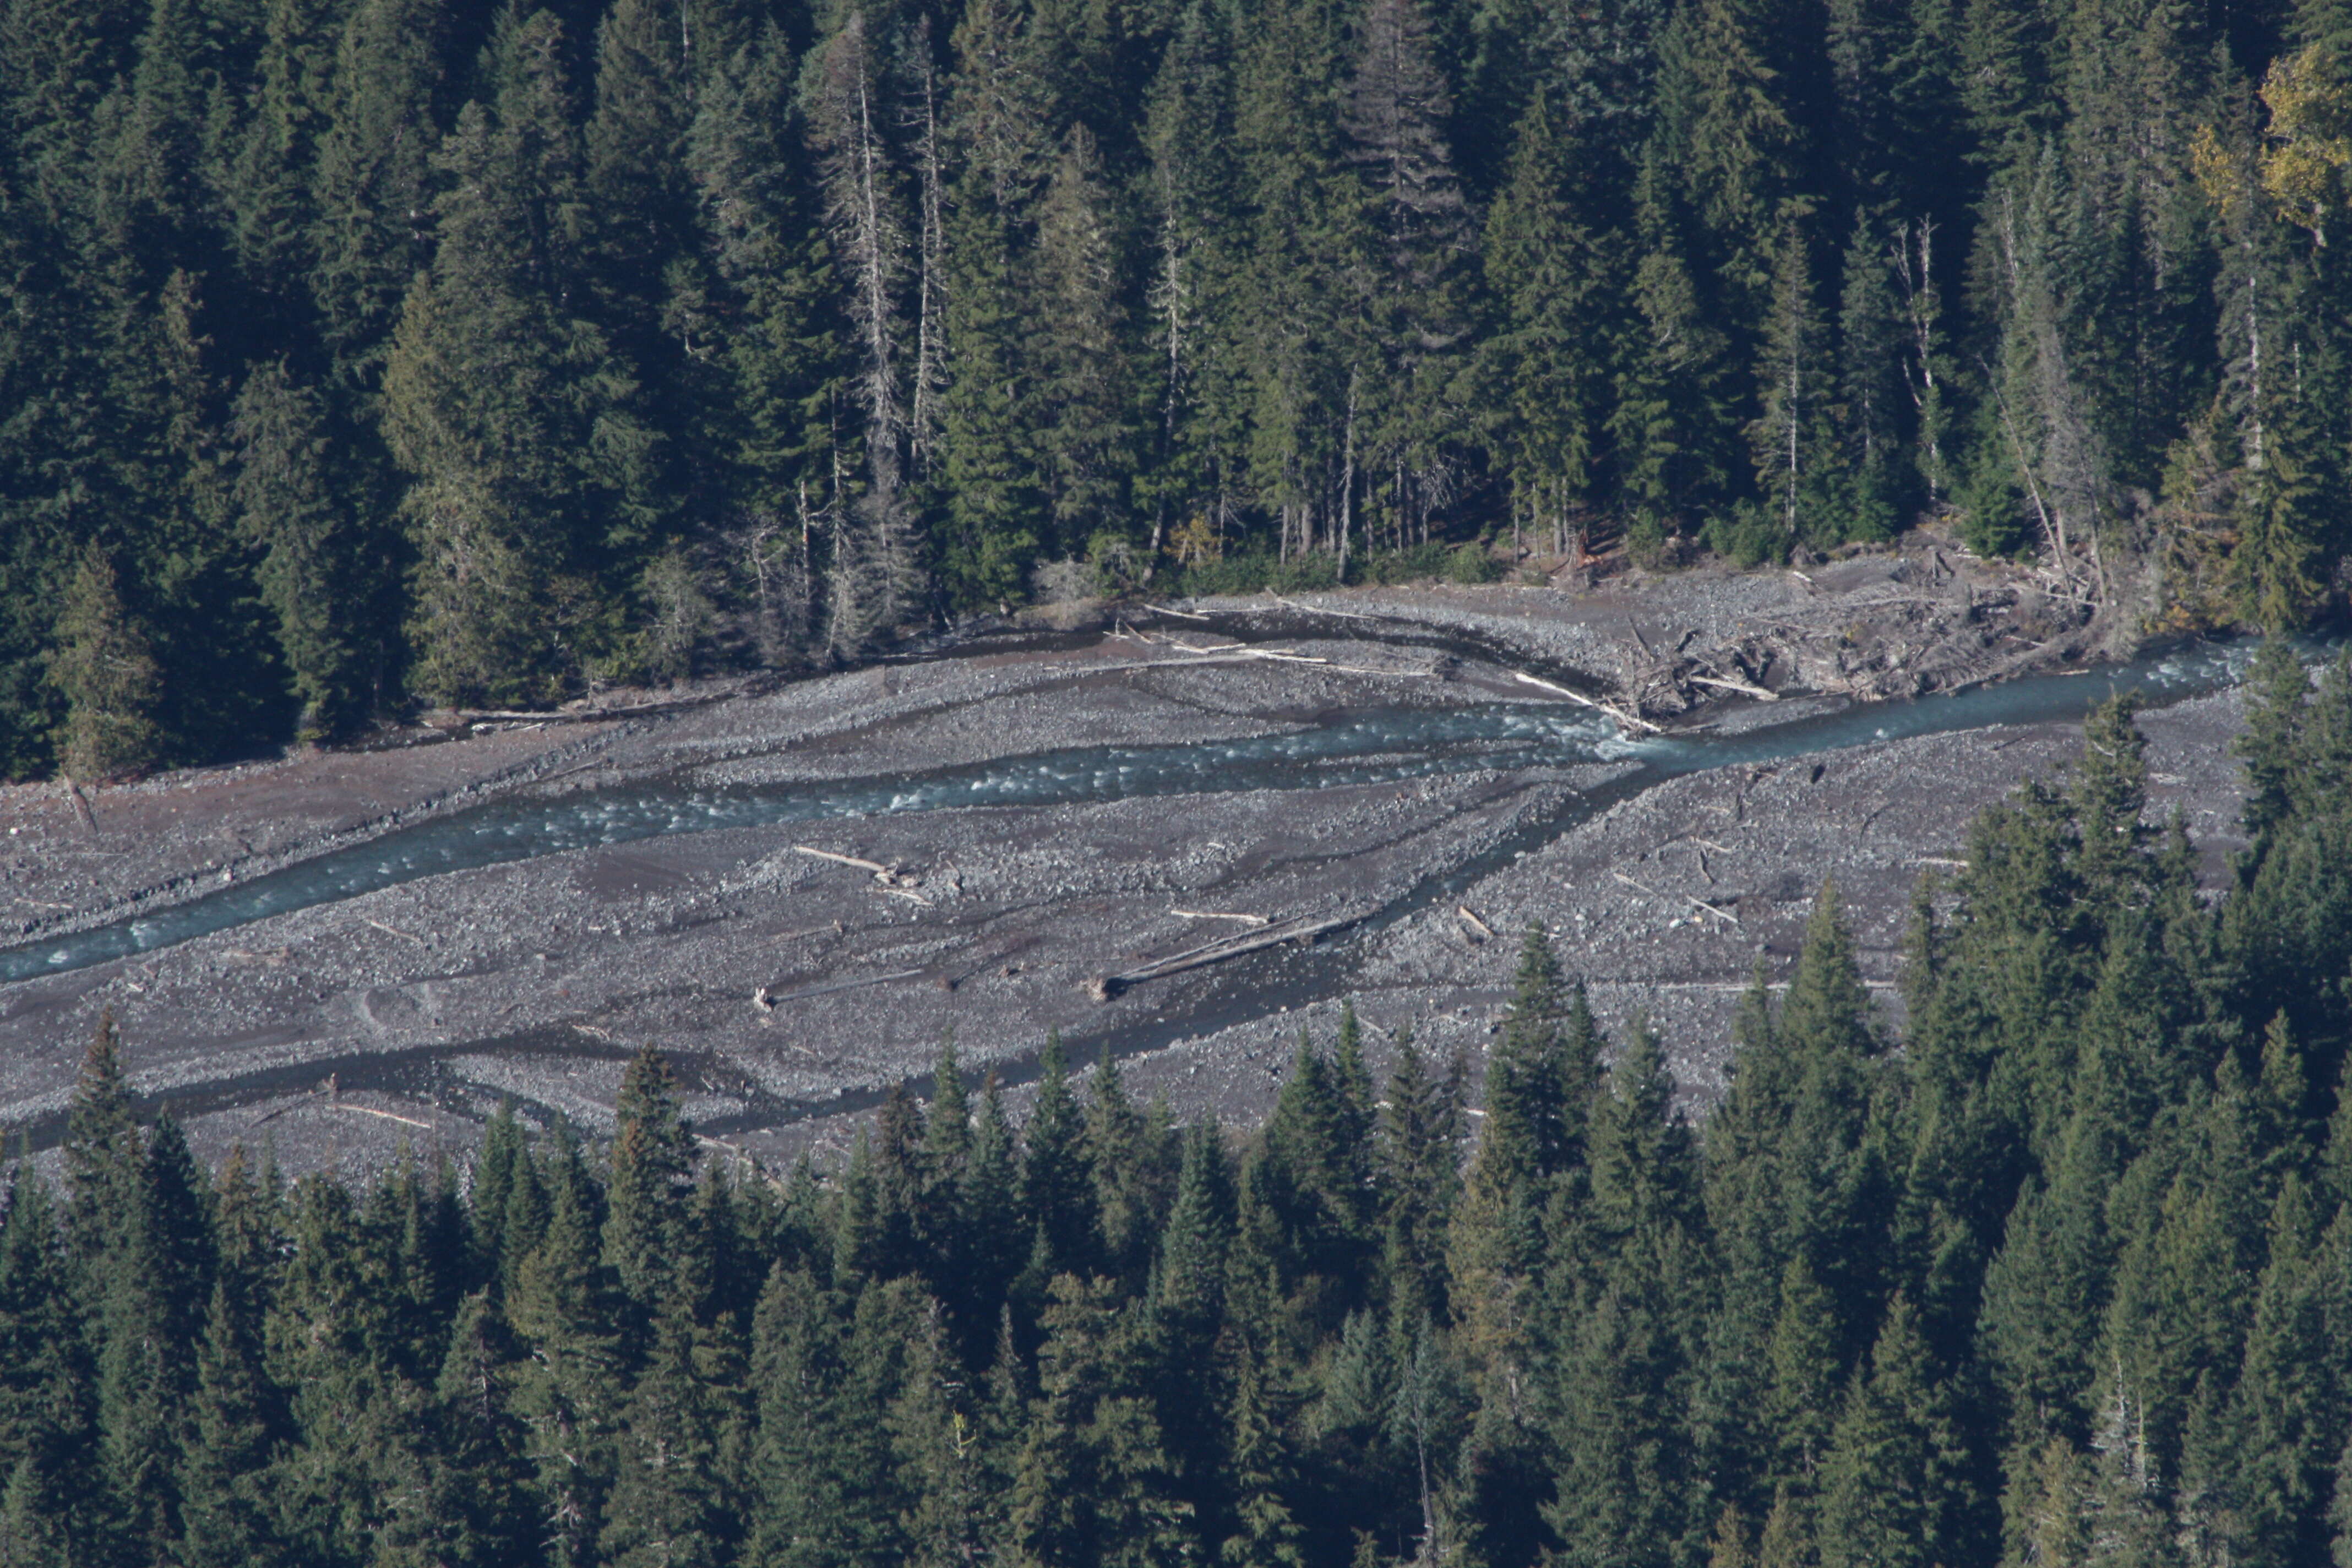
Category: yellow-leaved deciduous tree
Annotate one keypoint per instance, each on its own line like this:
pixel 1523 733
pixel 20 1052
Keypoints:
pixel 2309 95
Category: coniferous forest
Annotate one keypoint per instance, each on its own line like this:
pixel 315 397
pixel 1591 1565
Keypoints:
pixel 357 354
pixel 2061 1277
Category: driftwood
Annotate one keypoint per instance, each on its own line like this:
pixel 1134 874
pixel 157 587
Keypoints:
pixel 894 878
pixel 1629 720
pixel 1746 688
pixel 768 1001
pixel 1687 898
pixel 1221 915
pixel 575 715
pixel 1278 655
pixel 1479 930
pixel 875 867
pixel 1169 610
pixel 367 1110
pixel 1111 985
pixel 393 931
pixel 1319 609
pixel 1227 653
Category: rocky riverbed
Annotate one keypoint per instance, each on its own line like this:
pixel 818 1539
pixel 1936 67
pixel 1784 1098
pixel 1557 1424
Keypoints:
pixel 795 968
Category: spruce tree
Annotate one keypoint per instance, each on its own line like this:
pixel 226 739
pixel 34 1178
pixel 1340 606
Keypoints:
pixel 1083 404
pixel 478 1506
pixel 105 671
pixel 49 1433
pixel 373 177
pixel 1419 1156
pixel 2277 690
pixel 1266 1532
pixel 1551 266
pixel 313 570
pixel 1093 1482
pixel 674 1499
pixel 517 476
pixel 647 1235
pixel 569 1391
pixel 226 1513
pixel 1879 1479
pixel 1058 1201
pixel 1188 1279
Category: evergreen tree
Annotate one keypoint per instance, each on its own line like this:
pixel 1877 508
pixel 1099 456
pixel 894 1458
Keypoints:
pixel 477 1505
pixel 569 1391
pixel 1878 1501
pixel 1625 1481
pixel 522 475
pixel 314 585
pixel 1056 1192
pixel 151 1312
pixel 1093 1481
pixel 647 1235
pixel 1551 266
pixel 49 1429
pixel 226 1509
pixel 2277 690
pixel 1266 1534
pixel 1082 401
pixel 105 669
pixel 1419 1156
pixel 674 1496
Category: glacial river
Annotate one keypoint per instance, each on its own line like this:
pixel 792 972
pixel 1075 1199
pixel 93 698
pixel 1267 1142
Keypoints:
pixel 1367 747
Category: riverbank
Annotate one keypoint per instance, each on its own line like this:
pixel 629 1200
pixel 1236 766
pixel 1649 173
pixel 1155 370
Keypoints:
pixel 793 985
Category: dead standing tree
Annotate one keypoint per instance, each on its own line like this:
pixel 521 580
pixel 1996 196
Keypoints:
pixel 862 212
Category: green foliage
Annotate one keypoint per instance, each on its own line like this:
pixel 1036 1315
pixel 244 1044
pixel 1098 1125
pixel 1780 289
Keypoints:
pixel 364 354
pixel 105 669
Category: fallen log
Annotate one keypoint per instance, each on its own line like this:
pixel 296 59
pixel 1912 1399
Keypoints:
pixel 875 867
pixel 1629 720
pixel 368 1110
pixel 1746 688
pixel 447 716
pixel 1479 930
pixel 1110 985
pixel 1221 915
pixel 1687 898
pixel 1319 609
pixel 893 878
pixel 769 1001
pixel 1243 650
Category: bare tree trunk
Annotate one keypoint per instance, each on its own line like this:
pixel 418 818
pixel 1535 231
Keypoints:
pixel 1168 299
pixel 923 416
pixel 860 207
pixel 1347 475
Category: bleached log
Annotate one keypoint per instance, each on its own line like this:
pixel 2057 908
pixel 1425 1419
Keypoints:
pixel 1745 688
pixel 1630 721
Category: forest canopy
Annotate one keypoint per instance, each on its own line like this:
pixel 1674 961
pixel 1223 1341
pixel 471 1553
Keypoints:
pixel 2058 1275
pixel 355 353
